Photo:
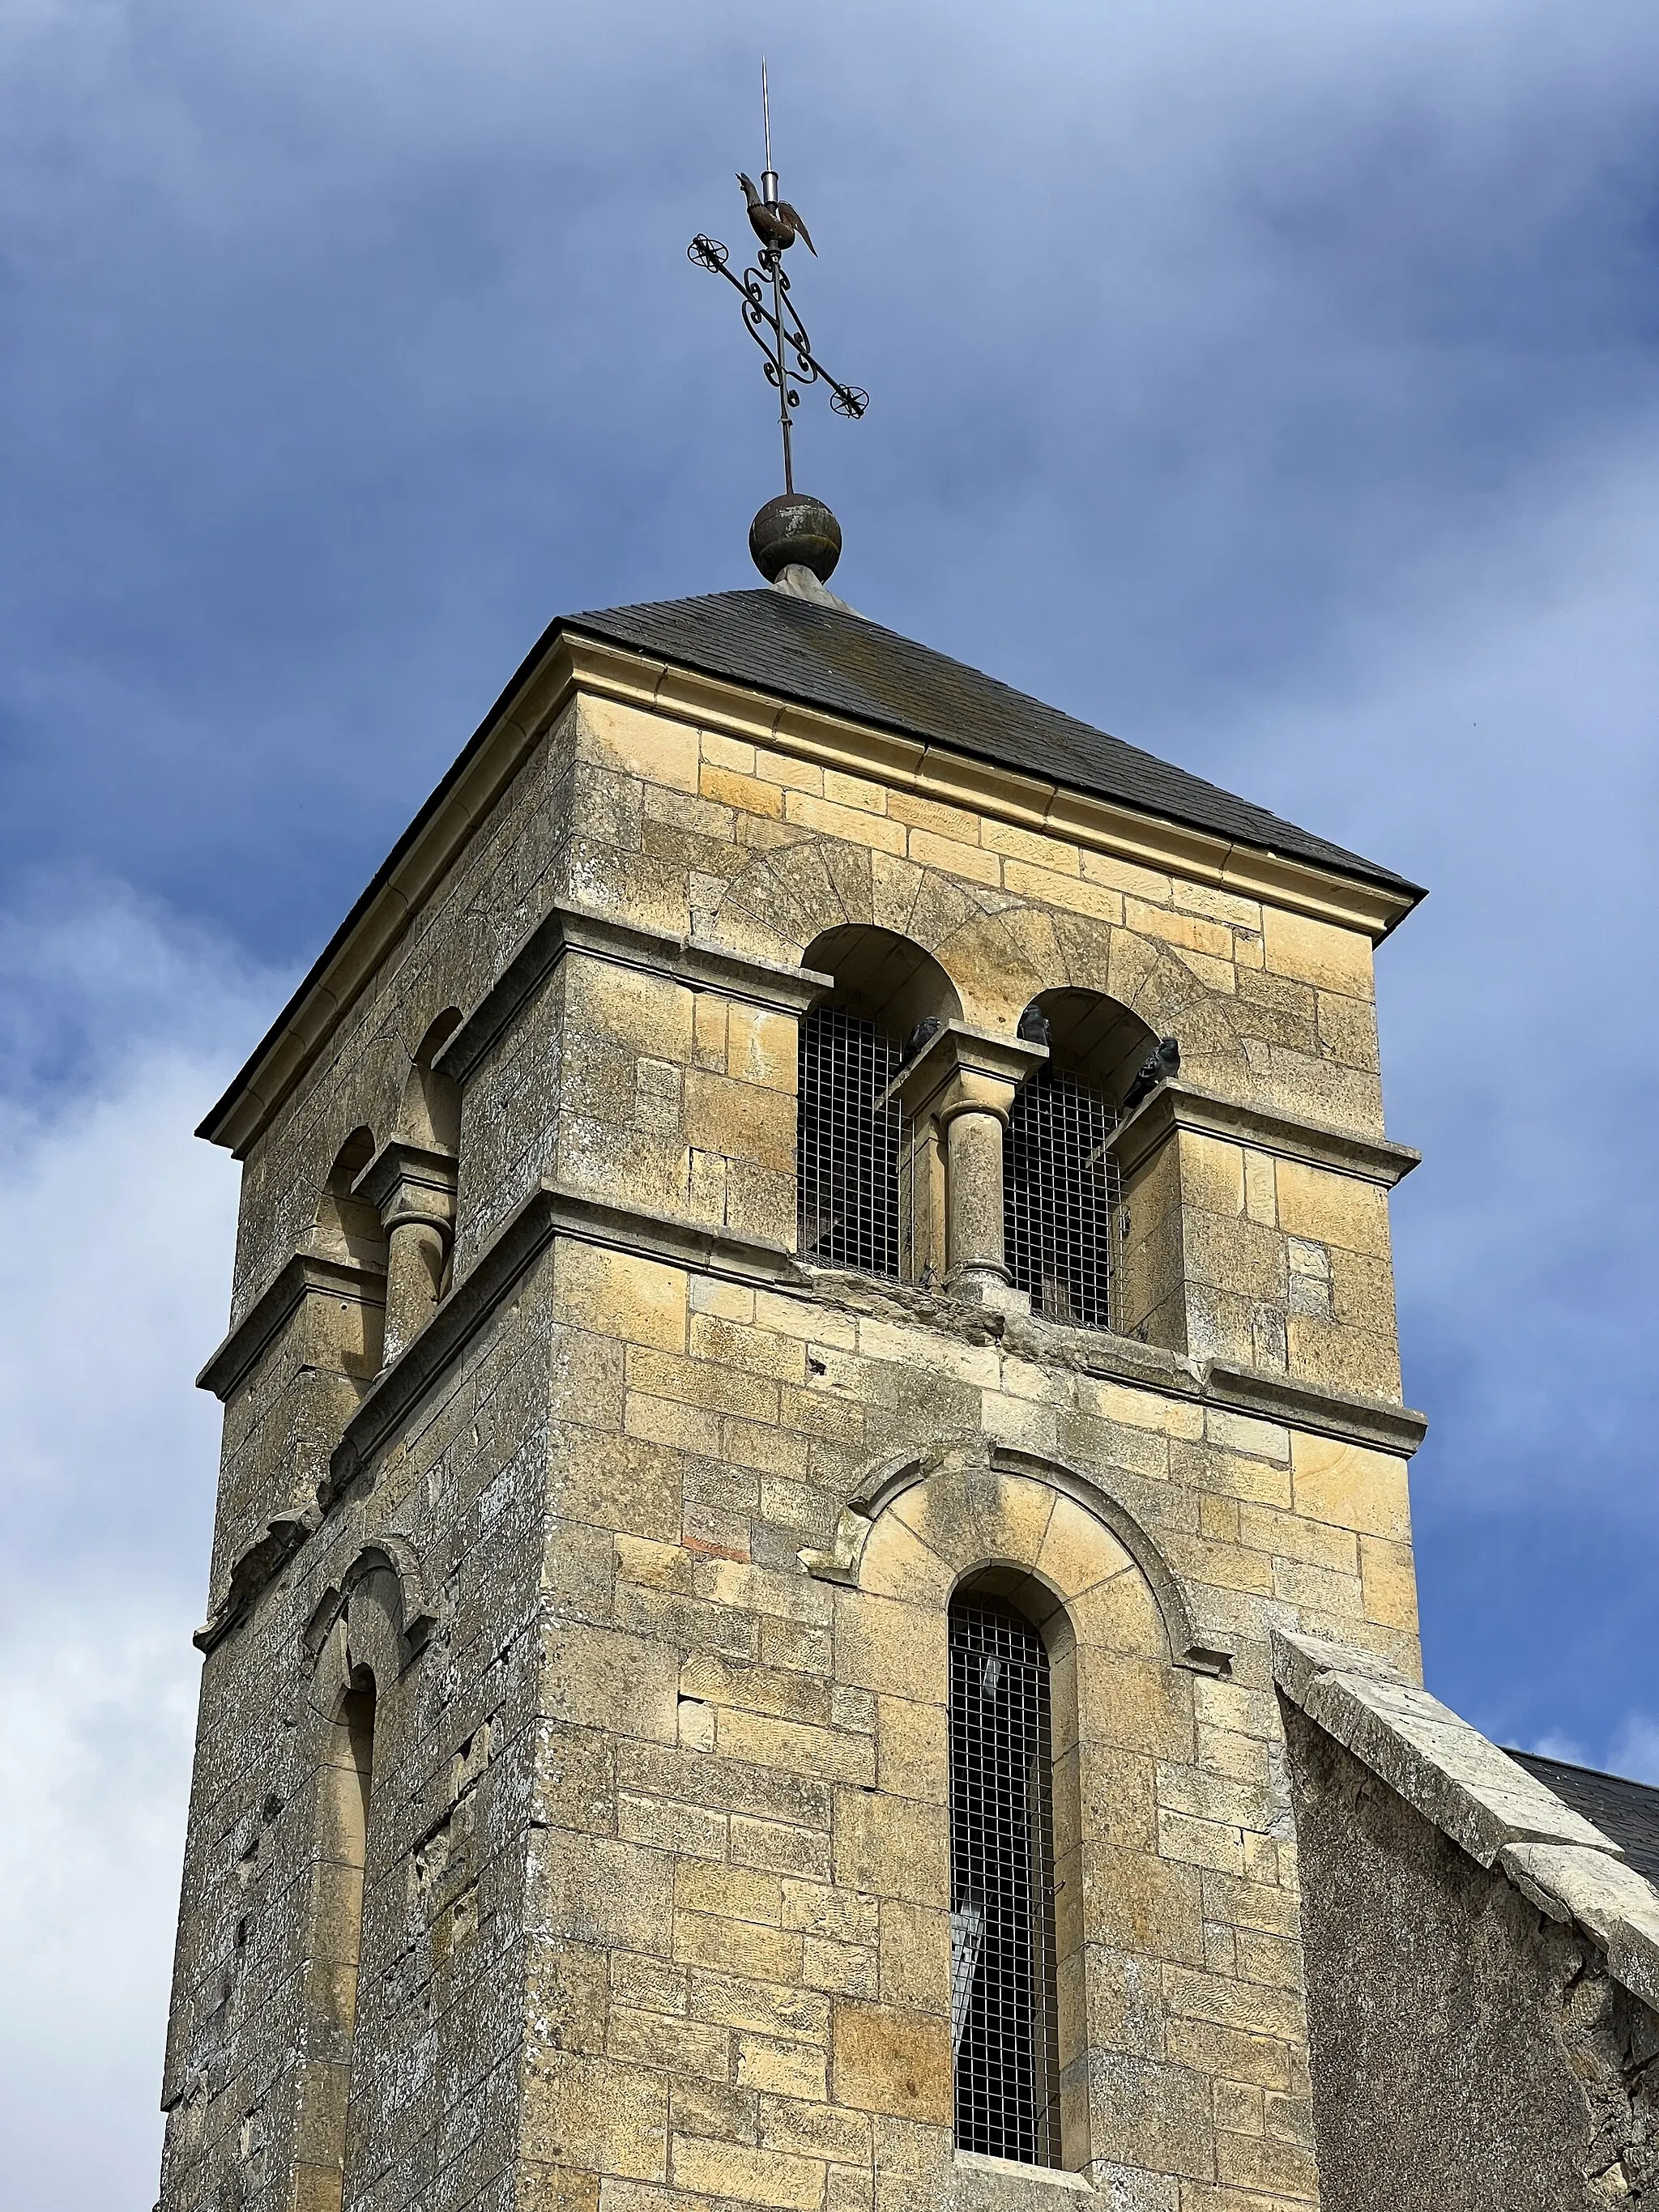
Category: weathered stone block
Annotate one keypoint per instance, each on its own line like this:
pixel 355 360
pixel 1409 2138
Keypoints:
pixel 888 2060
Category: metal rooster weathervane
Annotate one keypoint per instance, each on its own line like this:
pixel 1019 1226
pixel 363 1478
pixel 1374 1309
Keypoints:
pixel 770 313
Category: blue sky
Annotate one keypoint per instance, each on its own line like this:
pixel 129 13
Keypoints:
pixel 1271 384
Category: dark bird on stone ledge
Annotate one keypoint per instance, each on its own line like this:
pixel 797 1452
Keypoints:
pixel 776 224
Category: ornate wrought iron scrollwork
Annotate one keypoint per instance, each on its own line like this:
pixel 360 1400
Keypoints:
pixel 772 319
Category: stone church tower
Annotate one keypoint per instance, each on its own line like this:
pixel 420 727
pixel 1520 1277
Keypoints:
pixel 814 1499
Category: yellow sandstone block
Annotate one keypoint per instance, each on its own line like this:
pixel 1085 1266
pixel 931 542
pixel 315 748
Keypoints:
pixel 1053 854
pixel 933 814
pixel 886 2060
pixel 892 1847
pixel 762 1048
pixel 1189 932
pixel 745 2174
pixel 615 1294
pixel 1318 953
pixel 1262 1187
pixel 744 1120
pixel 849 823
pixel 650 1014
pixel 704 1939
pixel 596 2113
pixel 1075 894
pixel 1211 1174
pixel 732 1892
pixel 1390 1584
pixel 784 768
pixel 1076 1551
pixel 1350 1487
pixel 928 851
pixel 882 1643
pixel 650 746
pixel 854 791
pixel 748 794
pixel 728 752
pixel 1125 876
pixel 1332 1209
pixel 780 2069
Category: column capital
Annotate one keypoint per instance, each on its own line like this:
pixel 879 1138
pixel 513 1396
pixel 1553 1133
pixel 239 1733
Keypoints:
pixel 406 1181
pixel 962 1070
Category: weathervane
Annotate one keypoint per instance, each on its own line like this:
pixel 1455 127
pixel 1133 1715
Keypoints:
pixel 794 530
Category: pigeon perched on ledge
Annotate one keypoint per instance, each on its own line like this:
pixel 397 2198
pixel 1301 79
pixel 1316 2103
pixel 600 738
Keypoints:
pixel 774 222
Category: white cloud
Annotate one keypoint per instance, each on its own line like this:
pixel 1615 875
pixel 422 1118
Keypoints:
pixel 1555 1746
pixel 113 1285
pixel 1635 1747
pixel 1490 730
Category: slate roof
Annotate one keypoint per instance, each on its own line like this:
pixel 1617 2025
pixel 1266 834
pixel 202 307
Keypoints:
pixel 845 665
pixel 1626 1811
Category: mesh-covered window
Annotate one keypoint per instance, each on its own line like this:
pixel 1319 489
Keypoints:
pixel 847 1148
pixel 1002 1907
pixel 1060 1199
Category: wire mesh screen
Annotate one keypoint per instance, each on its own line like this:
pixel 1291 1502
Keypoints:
pixel 1002 1911
pixel 848 1144
pixel 1060 1199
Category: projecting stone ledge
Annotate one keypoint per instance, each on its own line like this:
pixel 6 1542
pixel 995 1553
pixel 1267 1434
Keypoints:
pixel 1504 1818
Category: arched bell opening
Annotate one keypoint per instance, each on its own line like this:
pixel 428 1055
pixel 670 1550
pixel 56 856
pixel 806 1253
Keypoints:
pixel 1062 1193
pixel 865 1194
pixel 431 1110
pixel 347 1227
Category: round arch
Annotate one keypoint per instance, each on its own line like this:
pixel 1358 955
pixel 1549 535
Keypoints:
pixel 920 1523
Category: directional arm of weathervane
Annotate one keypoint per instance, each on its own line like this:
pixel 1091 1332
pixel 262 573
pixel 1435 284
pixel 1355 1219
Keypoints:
pixel 848 399
pixel 710 253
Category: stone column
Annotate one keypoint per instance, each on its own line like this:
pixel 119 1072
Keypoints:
pixel 413 1189
pixel 964 1080
pixel 974 1266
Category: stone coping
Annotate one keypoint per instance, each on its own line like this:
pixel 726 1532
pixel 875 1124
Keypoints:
pixel 690 960
pixel 1176 1105
pixel 1503 1817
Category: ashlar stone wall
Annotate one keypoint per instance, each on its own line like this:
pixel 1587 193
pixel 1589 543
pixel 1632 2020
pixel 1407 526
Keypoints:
pixel 643 1543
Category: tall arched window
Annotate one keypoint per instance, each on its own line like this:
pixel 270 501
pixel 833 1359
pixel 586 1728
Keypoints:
pixel 345 1785
pixel 1003 1959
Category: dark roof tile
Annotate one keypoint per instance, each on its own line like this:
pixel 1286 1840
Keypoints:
pixel 1627 1811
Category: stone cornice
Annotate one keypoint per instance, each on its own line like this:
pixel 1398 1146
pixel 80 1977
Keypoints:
pixel 563 663
pixel 690 960
pixel 1175 1106
pixel 1378 1423
pixel 305 1273
pixel 959 780
pixel 549 1211
pixel 546 1213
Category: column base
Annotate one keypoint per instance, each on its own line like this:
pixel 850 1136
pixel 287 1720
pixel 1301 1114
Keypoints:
pixel 981 1285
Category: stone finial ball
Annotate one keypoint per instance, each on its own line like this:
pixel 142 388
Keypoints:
pixel 795 527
